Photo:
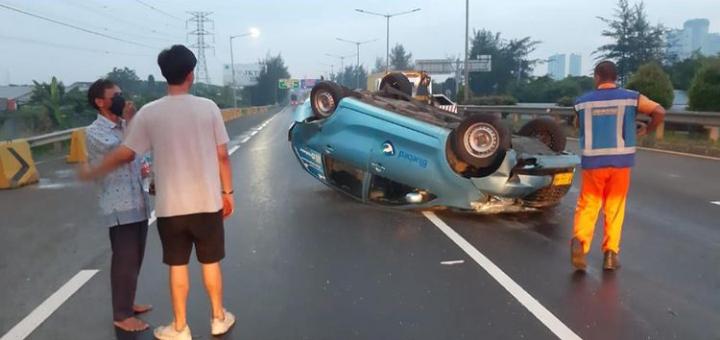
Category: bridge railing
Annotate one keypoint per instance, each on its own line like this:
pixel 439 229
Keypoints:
pixel 708 120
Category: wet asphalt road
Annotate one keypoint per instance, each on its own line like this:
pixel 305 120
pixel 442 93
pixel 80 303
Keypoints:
pixel 305 262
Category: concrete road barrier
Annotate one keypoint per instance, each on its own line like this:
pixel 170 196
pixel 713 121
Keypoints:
pixel 78 147
pixel 235 113
pixel 17 167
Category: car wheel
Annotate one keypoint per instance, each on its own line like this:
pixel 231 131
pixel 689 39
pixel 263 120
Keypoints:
pixel 480 140
pixel 398 82
pixel 324 98
pixel 547 131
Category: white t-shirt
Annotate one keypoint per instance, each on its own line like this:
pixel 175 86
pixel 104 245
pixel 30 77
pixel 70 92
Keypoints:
pixel 183 132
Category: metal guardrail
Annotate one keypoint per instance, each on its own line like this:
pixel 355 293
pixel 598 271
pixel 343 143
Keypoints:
pixel 50 138
pixel 687 117
pixel 58 136
pixel 707 119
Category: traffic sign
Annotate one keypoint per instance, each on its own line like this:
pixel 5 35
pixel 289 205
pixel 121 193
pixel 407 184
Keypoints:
pixel 288 84
pixel 482 64
pixel 448 66
pixel 436 66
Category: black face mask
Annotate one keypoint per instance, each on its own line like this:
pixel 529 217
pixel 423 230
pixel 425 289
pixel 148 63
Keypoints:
pixel 118 104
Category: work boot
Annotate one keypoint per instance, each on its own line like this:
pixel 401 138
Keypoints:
pixel 577 254
pixel 611 260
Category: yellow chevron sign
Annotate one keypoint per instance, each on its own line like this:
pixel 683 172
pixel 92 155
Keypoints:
pixel 17 167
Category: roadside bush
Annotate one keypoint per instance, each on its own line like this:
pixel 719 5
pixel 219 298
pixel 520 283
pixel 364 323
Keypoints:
pixel 492 100
pixel 704 94
pixel 653 82
pixel 566 101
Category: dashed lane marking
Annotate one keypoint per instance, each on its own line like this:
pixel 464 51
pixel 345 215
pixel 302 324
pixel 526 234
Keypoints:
pixel 31 322
pixel 23 329
pixel 541 313
pixel 715 202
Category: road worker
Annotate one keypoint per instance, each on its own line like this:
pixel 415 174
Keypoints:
pixel 608 131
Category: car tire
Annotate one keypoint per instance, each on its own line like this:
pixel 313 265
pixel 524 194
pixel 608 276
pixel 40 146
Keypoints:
pixel 547 131
pixel 480 140
pixel 398 82
pixel 324 98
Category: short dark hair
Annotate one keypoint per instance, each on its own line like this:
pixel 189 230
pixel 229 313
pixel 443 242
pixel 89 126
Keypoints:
pixel 97 91
pixel 176 63
pixel 606 71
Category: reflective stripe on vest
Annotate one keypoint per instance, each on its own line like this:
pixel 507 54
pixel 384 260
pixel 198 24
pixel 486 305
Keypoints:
pixel 607 127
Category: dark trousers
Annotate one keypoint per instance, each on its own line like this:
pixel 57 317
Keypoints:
pixel 128 248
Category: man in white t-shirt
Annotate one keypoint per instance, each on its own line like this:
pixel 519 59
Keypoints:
pixel 193 184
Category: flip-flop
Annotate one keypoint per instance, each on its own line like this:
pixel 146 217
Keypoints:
pixel 140 309
pixel 147 325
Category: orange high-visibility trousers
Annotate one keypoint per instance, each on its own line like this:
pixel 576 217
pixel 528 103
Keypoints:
pixel 604 188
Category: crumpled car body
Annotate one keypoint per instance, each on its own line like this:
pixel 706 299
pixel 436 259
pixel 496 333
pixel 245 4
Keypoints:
pixel 378 152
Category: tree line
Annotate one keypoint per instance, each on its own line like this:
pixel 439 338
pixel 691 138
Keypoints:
pixel 52 107
pixel 639 49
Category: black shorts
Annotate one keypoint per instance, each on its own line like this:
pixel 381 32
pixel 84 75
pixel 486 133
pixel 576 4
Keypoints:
pixel 179 233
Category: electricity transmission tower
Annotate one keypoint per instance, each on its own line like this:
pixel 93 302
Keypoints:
pixel 202 26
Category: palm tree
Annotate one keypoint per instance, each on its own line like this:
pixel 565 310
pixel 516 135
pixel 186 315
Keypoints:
pixel 51 97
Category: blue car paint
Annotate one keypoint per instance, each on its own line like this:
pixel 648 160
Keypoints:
pixel 357 133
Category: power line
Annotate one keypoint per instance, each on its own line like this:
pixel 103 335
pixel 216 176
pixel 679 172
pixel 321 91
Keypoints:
pixel 73 26
pixel 158 10
pixel 132 24
pixel 52 44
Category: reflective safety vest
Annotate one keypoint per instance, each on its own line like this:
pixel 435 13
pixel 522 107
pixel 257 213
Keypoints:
pixel 607 128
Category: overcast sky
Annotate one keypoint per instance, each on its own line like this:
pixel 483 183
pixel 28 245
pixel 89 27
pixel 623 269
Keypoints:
pixel 302 31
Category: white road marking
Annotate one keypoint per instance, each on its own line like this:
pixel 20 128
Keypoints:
pixel 541 313
pixel 715 202
pixel 452 263
pixel 23 329
pixel 244 140
pixel 153 218
pixel 31 322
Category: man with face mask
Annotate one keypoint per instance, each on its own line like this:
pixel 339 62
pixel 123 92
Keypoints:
pixel 124 205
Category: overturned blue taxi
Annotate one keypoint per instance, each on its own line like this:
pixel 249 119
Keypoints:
pixel 387 148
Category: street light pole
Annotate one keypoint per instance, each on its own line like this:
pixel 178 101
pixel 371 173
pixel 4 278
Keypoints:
pixel 387 46
pixel 357 65
pixel 232 66
pixel 466 92
pixel 254 33
pixel 342 59
pixel 387 16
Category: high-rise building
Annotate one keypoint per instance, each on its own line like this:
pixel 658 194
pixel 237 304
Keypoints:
pixel 693 37
pixel 575 66
pixel 556 66
pixel 697 32
pixel 712 44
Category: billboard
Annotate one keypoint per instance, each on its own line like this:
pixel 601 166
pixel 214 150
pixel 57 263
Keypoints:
pixel 245 74
pixel 308 83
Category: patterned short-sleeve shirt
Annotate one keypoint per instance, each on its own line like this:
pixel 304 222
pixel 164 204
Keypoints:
pixel 121 197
